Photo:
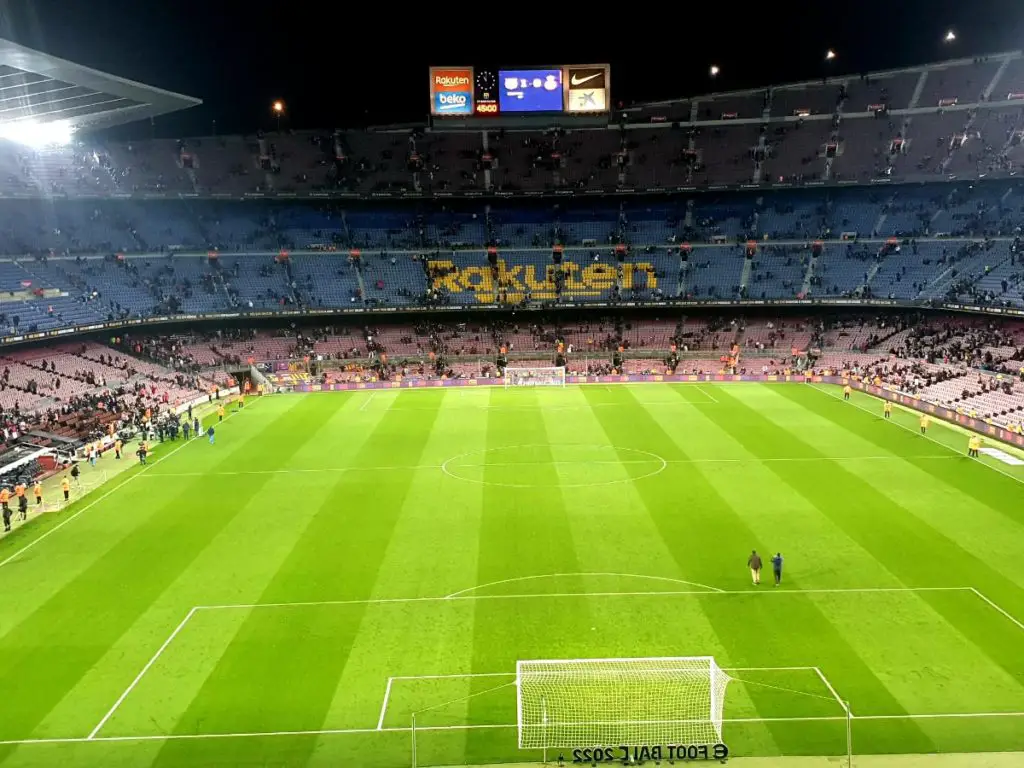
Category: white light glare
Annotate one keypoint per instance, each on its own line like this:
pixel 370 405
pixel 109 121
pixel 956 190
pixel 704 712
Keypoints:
pixel 950 36
pixel 714 70
pixel 37 135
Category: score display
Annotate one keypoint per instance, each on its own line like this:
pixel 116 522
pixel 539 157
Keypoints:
pixel 530 90
pixel 491 92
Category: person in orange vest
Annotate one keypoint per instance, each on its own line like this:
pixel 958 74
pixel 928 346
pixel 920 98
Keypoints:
pixel 19 492
pixel 65 485
pixel 5 499
pixel 37 489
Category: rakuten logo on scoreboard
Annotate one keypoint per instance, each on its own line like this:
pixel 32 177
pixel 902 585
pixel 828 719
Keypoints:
pixel 451 91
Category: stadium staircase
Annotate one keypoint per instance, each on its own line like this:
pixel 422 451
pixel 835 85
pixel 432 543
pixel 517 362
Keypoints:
pixel 805 287
pixel 748 267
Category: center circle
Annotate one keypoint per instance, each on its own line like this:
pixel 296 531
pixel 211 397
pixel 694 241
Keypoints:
pixel 554 465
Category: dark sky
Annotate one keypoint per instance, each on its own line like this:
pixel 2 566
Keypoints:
pixel 339 64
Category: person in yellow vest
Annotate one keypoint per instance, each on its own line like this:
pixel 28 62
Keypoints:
pixel 846 392
pixel 117 448
pixel 973 445
pixel 220 413
pixel 65 485
pixel 37 489
pixel 887 409
pixel 241 401
pixel 924 421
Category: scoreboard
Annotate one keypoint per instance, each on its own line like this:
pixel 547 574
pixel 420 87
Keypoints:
pixel 493 92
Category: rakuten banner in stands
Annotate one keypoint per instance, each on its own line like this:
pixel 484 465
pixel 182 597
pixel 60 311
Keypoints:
pixel 510 284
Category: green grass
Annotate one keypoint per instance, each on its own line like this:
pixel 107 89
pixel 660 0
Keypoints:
pixel 321 534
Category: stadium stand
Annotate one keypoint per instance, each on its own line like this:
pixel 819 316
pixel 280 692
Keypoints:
pixel 897 189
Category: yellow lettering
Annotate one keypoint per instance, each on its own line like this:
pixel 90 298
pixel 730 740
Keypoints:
pixel 598 277
pixel 479 281
pixel 508 278
pixel 643 268
pixel 530 278
pixel 445 275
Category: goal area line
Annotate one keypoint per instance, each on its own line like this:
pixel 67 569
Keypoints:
pixel 512 675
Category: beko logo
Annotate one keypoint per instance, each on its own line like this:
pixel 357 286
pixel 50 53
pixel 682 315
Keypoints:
pixel 452 101
pixel 451 81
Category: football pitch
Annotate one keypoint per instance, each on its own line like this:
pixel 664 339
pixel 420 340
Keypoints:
pixel 340 565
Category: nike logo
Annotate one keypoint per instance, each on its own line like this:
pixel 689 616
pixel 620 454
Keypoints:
pixel 576 80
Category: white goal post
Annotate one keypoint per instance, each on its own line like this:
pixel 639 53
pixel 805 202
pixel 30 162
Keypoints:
pixel 565 704
pixel 535 377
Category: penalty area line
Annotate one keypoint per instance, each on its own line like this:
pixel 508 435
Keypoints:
pixel 560 595
pixel 384 704
pixel 138 677
pixel 1007 614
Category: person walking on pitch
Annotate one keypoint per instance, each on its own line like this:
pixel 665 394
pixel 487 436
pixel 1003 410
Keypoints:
pixel 777 568
pixel 887 409
pixel 754 563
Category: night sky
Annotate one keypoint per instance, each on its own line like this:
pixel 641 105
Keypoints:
pixel 355 64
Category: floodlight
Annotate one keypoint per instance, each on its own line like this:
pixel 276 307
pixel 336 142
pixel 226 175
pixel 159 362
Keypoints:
pixel 37 135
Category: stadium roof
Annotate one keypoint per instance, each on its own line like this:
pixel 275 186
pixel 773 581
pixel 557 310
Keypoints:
pixel 38 88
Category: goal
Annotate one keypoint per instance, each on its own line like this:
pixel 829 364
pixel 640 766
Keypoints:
pixel 564 704
pixel 534 377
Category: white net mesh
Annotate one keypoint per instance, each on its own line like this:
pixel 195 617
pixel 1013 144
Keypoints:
pixel 613 702
pixel 534 377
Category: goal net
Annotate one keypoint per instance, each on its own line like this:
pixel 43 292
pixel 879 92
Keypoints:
pixel 613 702
pixel 534 377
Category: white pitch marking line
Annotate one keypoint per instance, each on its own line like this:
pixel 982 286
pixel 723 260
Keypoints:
pixel 956 453
pixel 138 677
pixel 467 727
pixel 293 471
pixel 453 676
pixel 588 575
pixel 833 691
pixel 1007 614
pixel 366 402
pixel 710 397
pixel 556 595
pixel 766 669
pixel 92 504
pixel 384 704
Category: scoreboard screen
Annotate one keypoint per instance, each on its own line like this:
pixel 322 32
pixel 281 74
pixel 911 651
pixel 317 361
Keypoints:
pixel 492 92
pixel 530 90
